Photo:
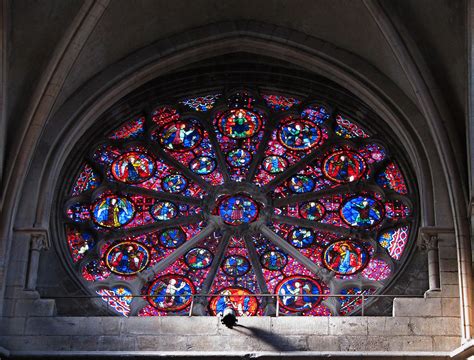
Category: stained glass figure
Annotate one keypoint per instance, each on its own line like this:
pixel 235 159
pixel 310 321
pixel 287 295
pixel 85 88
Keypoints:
pixel 201 103
pixel 361 211
pixel 239 123
pixel 301 237
pixel 316 114
pixel 344 166
pixel 239 158
pixel 113 211
pixel 171 292
pixel 198 258
pixel 237 210
pixel 295 293
pixel 127 258
pixel 312 210
pixel 174 183
pixel 300 184
pixel 348 130
pixel 202 165
pixel 236 265
pixel 345 257
pixel 274 164
pixel 164 210
pixel 279 102
pixel 129 130
pixel 394 240
pixel 299 135
pixel 79 243
pixel 238 299
pixel 273 260
pixel 133 168
pixel 392 178
pixel 172 237
pixel 182 135
pixel 88 179
pixel 119 298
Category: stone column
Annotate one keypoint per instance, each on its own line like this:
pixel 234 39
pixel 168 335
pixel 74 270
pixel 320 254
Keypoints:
pixel 430 245
pixel 38 242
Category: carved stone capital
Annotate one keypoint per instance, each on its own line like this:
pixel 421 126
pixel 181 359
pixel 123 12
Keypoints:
pixel 39 241
pixel 428 237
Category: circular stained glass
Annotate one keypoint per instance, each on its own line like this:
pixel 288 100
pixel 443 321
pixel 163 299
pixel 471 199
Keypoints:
pixel 239 158
pixel 235 298
pixel 273 260
pixel 362 212
pixel 127 258
pixel 296 294
pixel 274 164
pixel 312 210
pixel 202 165
pixel 344 166
pixel 300 184
pixel 237 209
pixel 236 265
pixel 200 206
pixel 181 135
pixel 174 183
pixel 171 292
pixel 172 238
pixel 301 237
pixel 345 257
pixel 239 123
pixel 299 135
pixel 113 211
pixel 164 210
pixel 198 258
pixel 133 168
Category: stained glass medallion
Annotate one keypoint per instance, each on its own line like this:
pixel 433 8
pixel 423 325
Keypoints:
pixel 226 195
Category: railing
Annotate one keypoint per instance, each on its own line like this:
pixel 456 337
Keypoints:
pixel 274 297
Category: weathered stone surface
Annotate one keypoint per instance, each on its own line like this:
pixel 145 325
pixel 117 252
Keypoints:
pixel 389 326
pixel 301 325
pixel 323 343
pixel 36 343
pixel 435 326
pixel 450 307
pixel 347 325
pixel 429 307
pixel 12 326
pixel 411 343
pixel 449 278
pixel 446 343
pixel 73 326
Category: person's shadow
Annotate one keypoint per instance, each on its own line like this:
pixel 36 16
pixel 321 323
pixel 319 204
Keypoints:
pixel 277 342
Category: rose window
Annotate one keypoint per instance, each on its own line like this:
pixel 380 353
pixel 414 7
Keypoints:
pixel 229 199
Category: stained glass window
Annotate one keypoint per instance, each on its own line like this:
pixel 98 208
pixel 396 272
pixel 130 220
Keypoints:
pixel 244 200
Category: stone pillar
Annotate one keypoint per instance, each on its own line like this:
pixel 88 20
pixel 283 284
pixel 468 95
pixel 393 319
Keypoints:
pixel 38 242
pixel 430 245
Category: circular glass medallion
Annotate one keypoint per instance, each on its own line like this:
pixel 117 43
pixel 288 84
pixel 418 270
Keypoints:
pixel 238 209
pixel 301 237
pixel 133 168
pixel 113 211
pixel 239 123
pixel 274 164
pixel 202 165
pixel 236 265
pixel 344 166
pixel 300 184
pixel 361 211
pixel 127 258
pixel 174 183
pixel 312 210
pixel 235 298
pixel 299 135
pixel 181 135
pixel 198 258
pixel 294 293
pixel 239 158
pixel 164 210
pixel 273 260
pixel 345 257
pixel 171 292
pixel 172 237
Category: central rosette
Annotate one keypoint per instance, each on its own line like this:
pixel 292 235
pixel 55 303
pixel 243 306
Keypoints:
pixel 237 209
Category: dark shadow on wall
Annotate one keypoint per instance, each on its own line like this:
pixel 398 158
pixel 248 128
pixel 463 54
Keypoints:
pixel 277 342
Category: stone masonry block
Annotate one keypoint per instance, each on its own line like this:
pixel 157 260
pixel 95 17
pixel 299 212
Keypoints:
pixel 435 326
pixel 446 343
pixel 12 326
pixel 388 326
pixel 196 325
pixel 73 326
pixel 301 325
pixel 37 343
pixel 323 343
pixel 449 278
pixel 448 265
pixel 450 307
pixel 411 343
pixel 347 325
pixel 416 307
